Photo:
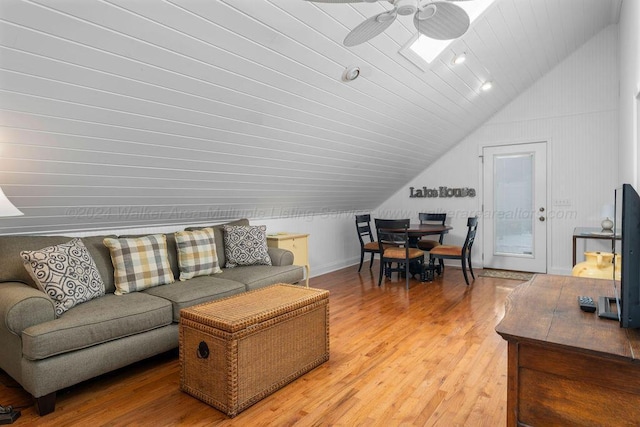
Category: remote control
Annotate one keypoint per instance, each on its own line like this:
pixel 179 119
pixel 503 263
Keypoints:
pixel 587 304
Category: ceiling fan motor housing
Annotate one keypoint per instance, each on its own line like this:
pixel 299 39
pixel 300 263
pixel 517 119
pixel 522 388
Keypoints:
pixel 406 7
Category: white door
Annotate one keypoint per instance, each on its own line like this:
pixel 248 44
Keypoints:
pixel 514 207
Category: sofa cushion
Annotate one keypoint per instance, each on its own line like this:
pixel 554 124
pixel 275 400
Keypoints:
pixel 196 291
pixel 139 263
pixel 97 321
pixel 257 276
pixel 218 232
pixel 12 268
pixel 246 245
pixel 66 273
pixel 196 253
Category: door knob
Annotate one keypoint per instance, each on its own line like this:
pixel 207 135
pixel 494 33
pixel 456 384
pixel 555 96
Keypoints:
pixel 541 219
pixel 541 209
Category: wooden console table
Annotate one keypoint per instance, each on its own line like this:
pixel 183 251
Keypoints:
pixel 566 366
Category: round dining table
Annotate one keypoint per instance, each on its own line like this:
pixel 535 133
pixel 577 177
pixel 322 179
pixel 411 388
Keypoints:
pixel 416 231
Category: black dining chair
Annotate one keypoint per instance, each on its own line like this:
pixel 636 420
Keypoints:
pixel 367 243
pixel 462 253
pixel 393 241
pixel 428 244
pixel 431 218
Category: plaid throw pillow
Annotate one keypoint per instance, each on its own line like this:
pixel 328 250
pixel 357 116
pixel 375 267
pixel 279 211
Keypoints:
pixel 66 273
pixel 197 254
pixel 246 245
pixel 139 263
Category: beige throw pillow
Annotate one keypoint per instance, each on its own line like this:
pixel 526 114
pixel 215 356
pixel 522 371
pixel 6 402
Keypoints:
pixel 139 262
pixel 197 255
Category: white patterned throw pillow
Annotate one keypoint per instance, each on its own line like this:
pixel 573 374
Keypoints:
pixel 246 245
pixel 66 273
pixel 197 254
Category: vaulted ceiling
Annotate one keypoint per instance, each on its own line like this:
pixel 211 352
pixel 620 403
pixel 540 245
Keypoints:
pixel 121 113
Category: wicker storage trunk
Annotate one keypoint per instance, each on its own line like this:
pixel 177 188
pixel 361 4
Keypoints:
pixel 237 350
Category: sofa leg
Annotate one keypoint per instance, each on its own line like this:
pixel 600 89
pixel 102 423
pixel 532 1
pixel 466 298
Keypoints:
pixel 46 404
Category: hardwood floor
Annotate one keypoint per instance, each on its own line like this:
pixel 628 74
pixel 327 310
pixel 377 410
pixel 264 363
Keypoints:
pixel 428 356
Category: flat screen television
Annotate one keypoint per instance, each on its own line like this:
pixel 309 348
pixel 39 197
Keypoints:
pixel 627 259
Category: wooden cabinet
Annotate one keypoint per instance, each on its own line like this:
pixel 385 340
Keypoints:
pixel 566 366
pixel 296 243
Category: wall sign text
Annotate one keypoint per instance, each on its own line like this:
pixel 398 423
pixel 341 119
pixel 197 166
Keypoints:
pixel 444 192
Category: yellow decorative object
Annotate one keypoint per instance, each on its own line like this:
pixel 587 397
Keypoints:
pixel 597 265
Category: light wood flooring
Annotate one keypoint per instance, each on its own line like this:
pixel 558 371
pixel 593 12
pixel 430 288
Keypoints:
pixel 427 357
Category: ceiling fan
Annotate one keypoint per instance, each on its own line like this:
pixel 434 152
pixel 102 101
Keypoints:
pixel 440 20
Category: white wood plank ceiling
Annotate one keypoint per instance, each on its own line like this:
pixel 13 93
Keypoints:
pixel 123 113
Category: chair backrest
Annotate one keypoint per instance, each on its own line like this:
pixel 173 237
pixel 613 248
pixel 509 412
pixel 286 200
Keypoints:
pixel 433 218
pixel 363 225
pixel 386 235
pixel 472 225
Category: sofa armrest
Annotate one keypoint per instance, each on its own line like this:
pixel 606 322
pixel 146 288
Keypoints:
pixel 22 306
pixel 280 256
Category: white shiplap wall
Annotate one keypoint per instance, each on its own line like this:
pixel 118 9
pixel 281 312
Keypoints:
pixel 575 109
pixel 629 34
pixel 130 113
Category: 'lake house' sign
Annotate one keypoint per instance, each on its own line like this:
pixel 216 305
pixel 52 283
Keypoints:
pixel 441 192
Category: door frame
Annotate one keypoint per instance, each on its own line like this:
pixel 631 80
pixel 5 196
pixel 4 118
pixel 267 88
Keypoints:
pixel 549 144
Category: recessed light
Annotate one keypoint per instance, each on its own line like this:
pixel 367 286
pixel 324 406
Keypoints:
pixel 350 74
pixel 486 86
pixel 459 59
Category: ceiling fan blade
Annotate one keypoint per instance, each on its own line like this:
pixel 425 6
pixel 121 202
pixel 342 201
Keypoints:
pixel 370 28
pixel 447 22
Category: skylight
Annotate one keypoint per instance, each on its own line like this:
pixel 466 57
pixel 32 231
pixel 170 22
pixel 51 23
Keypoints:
pixel 426 50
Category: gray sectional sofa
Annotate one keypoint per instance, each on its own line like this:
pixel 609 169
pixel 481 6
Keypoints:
pixel 45 354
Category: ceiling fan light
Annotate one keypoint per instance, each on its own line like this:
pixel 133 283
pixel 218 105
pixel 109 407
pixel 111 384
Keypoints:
pixel 427 12
pixel 406 7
